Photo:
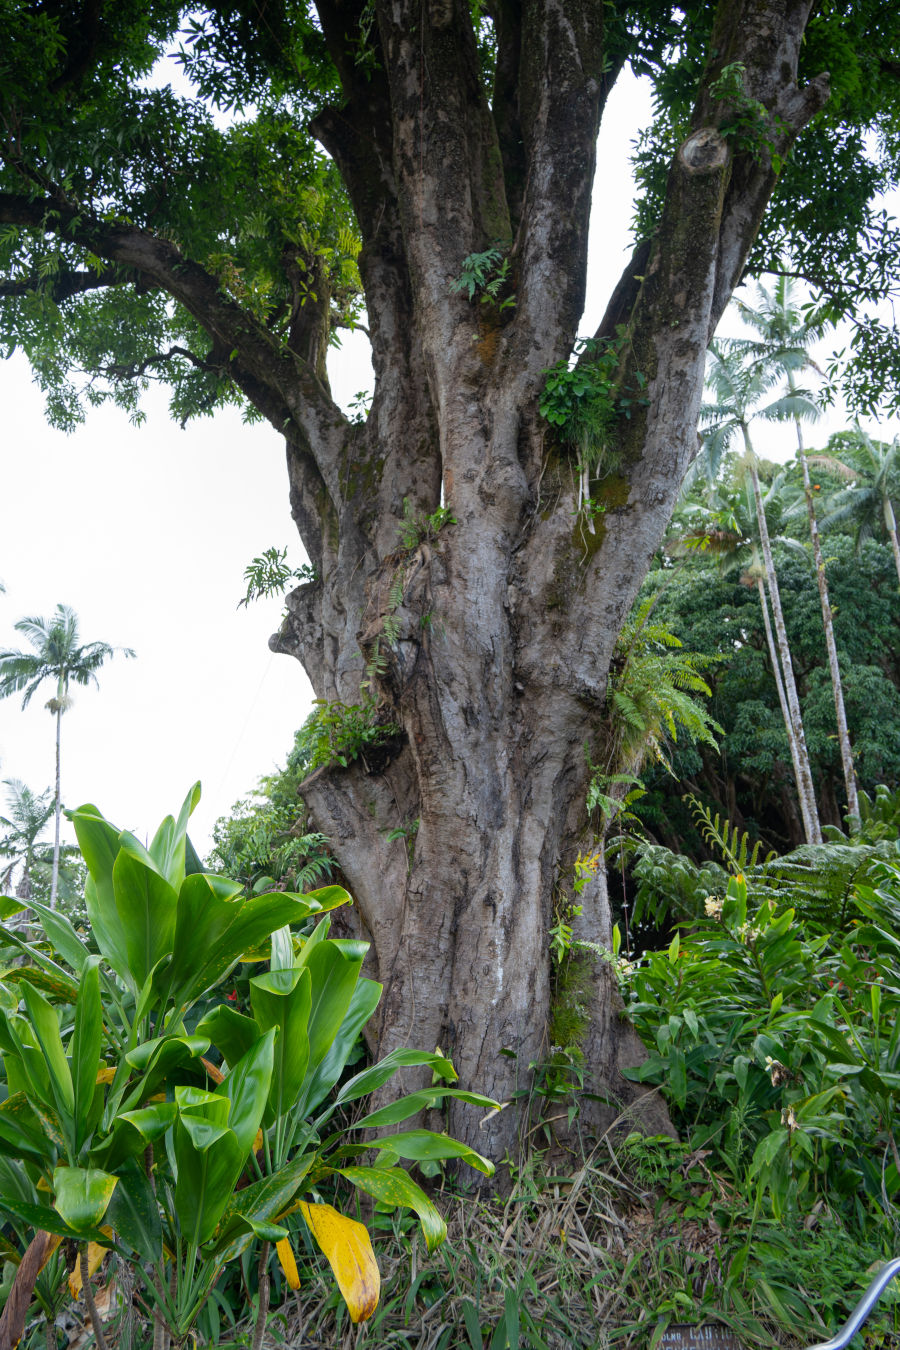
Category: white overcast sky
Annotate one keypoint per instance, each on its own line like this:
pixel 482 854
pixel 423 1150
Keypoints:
pixel 146 532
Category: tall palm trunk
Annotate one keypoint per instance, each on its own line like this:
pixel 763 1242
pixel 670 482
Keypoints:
pixel 890 524
pixel 827 623
pixel 794 723
pixel 773 657
pixel 54 882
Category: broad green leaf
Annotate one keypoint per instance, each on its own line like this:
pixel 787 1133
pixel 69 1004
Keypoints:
pixel 168 849
pixel 209 1163
pixel 327 898
pixel 365 1000
pixel 247 1087
pixel 205 1105
pixel 393 1186
pixel 15 1184
pixel 264 1199
pixel 133 1212
pixel 132 1131
pixel 99 843
pixel 170 1049
pixel 282 944
pixel 199 1200
pixel 334 971
pixel 230 1031
pixel 281 1000
pixel 146 905
pixel 86 1043
pixel 348 1248
pixel 203 1133
pixel 156 1059
pixel 318 934
pixel 21 1129
pixel 62 979
pixel 425 1145
pixel 43 1217
pixel 46 1028
pixel 268 1231
pixel 62 936
pixel 211 933
pixel 26 1067
pixel 10 907
pixel 415 1102
pixel 374 1077
pixel 82 1195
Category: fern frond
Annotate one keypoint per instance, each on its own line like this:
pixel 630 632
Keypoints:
pixel 726 838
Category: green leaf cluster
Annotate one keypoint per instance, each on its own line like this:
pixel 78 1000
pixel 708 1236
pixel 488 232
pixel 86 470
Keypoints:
pixel 143 1112
pixel 777 1046
pixel 338 733
pixel 583 401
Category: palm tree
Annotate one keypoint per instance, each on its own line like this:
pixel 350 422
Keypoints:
pixel 29 813
pixel 722 527
pixel 870 469
pixel 57 655
pixel 783 343
pixel 739 384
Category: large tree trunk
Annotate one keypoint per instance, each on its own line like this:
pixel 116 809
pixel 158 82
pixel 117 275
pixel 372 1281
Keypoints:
pixel 489 643
pixel 486 644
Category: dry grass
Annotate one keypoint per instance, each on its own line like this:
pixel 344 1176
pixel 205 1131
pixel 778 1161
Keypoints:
pixel 587 1261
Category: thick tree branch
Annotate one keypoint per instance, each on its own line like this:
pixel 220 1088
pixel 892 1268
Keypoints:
pixel 561 89
pixel 398 459
pixel 277 382
pixel 447 166
pixel 64 286
pixel 716 193
pixel 763 42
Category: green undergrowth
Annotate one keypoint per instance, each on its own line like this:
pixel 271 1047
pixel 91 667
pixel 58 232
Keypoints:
pixel 640 1236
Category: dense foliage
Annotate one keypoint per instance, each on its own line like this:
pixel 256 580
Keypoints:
pixel 258 205
pixel 709 599
pixel 773 1023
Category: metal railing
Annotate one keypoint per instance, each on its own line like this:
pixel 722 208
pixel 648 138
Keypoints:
pixel 863 1308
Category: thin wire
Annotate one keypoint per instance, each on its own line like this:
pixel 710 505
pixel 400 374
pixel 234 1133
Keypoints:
pixel 243 730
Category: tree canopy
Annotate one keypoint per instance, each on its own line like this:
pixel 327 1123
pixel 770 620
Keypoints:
pixel 229 175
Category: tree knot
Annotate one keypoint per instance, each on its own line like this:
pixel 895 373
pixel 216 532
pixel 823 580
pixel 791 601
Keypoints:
pixel 704 151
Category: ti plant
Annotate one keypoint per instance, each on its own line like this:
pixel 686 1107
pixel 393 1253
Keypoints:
pixel 145 1115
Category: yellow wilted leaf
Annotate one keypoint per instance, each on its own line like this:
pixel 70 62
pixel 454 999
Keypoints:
pixel 106 1074
pixel 288 1264
pixel 348 1248
pixel 215 1074
pixel 96 1254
